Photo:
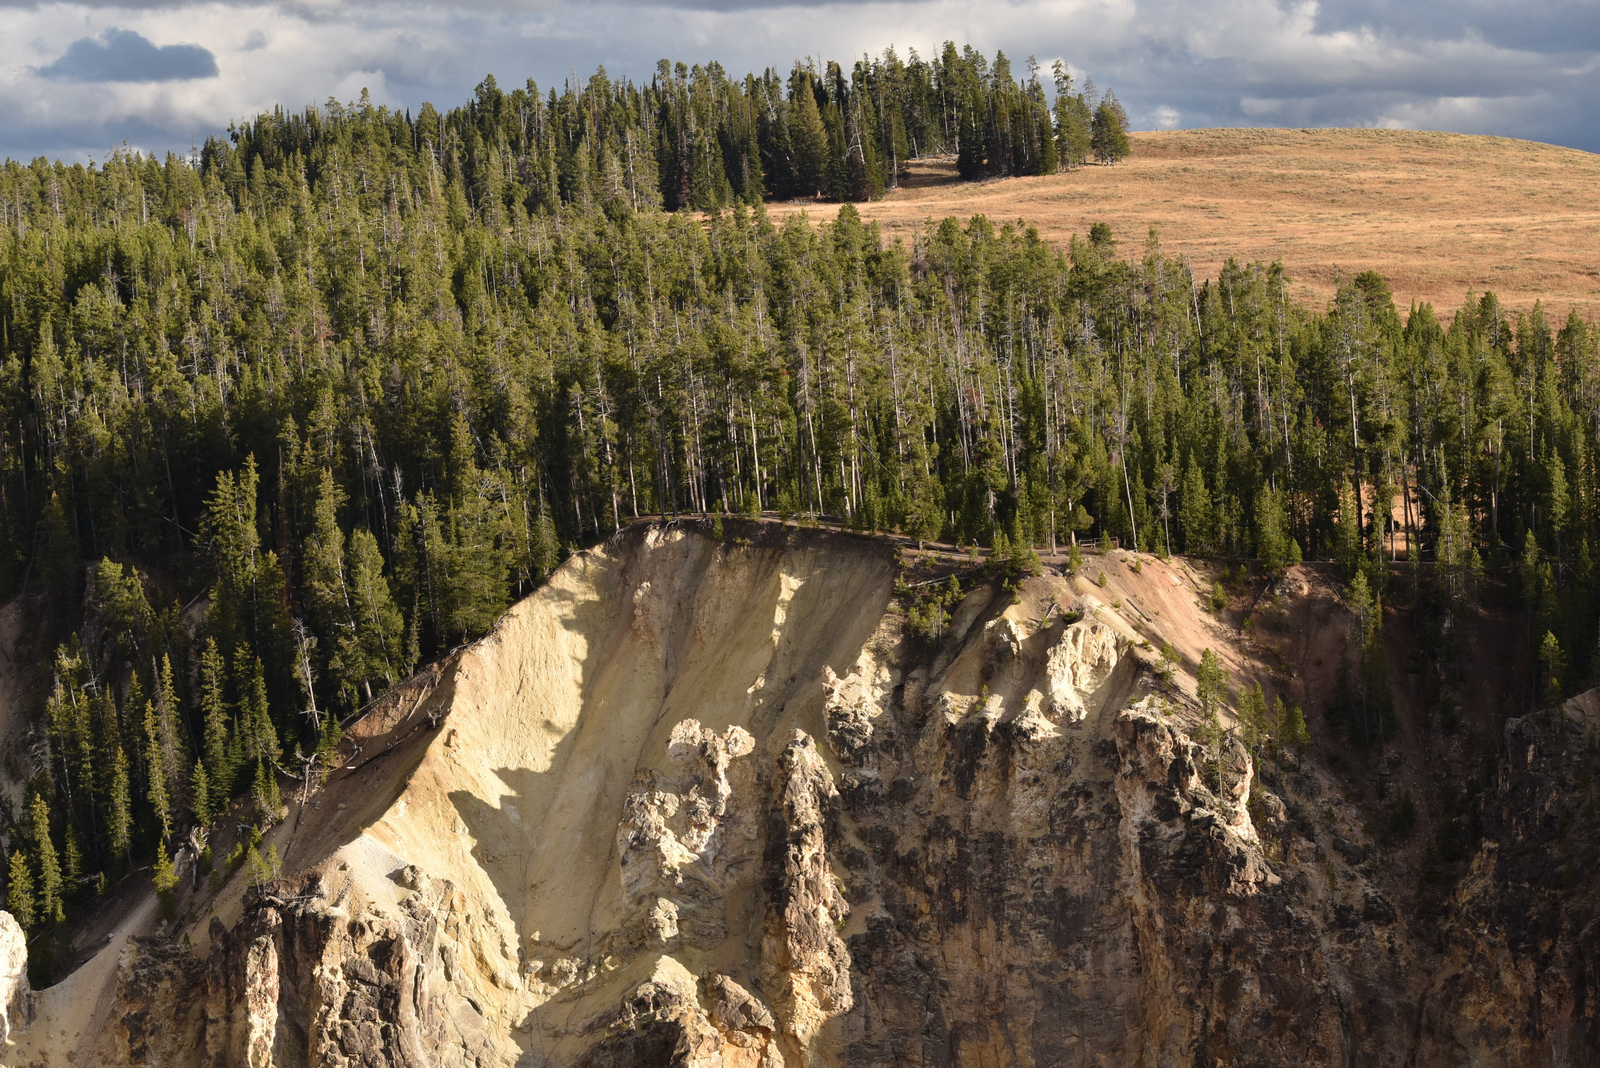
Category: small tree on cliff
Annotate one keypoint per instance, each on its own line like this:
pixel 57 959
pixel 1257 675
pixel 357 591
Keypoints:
pixel 19 890
pixel 1211 690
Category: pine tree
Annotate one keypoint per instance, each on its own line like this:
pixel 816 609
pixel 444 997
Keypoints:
pixel 261 868
pixel 258 738
pixel 162 874
pixel 50 905
pixel 1272 530
pixel 72 857
pixel 1289 726
pixel 1552 669
pixel 1074 130
pixel 20 899
pixel 1211 690
pixel 200 789
pixel 322 563
pixel 1255 724
pixel 1351 547
pixel 808 135
pixel 372 647
pixel 1363 606
pixel 230 528
pixel 220 769
pixel 156 793
pixel 168 740
pixel 1109 132
pixel 1211 684
pixel 58 562
pixel 924 510
pixel 544 547
pixel 1196 515
pixel 264 792
pixel 119 815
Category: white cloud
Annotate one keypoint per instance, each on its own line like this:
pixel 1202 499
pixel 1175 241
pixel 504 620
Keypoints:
pixel 373 82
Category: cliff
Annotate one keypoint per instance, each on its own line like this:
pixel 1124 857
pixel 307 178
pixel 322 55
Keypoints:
pixel 701 802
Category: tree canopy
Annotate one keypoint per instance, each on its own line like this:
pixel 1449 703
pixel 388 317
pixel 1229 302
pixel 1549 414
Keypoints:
pixel 352 380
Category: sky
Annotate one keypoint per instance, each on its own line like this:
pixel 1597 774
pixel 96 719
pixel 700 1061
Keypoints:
pixel 79 79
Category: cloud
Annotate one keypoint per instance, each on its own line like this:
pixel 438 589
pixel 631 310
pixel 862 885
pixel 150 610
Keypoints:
pixel 126 56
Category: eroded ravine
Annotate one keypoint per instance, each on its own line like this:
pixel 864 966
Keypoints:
pixel 708 802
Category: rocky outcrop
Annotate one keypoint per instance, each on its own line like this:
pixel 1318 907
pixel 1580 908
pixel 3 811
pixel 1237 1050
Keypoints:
pixel 703 805
pixel 1520 978
pixel 683 832
pixel 317 973
pixel 15 997
pixel 1079 665
pixel 312 974
pixel 804 962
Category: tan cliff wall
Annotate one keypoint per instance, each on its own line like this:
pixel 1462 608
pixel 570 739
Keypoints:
pixel 705 802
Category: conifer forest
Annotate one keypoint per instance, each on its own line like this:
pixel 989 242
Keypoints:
pixel 285 419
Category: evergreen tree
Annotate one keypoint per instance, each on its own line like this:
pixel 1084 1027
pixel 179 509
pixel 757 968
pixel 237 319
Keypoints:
pixel 1211 684
pixel 1073 121
pixel 50 908
pixel 162 875
pixel 157 794
pixel 217 760
pixel 20 900
pixel 264 792
pixel 372 646
pixel 807 135
pixel 119 815
pixel 201 807
pixel 1196 515
pixel 1108 135
pixel 1552 669
pixel 257 737
pixel 1272 533
pixel 168 747
pixel 323 563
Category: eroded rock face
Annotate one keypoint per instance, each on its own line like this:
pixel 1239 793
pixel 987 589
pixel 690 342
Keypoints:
pixel 680 832
pixel 676 1021
pixel 15 1006
pixel 308 976
pixel 804 962
pixel 1006 847
pixel 1072 892
pixel 1080 664
pixel 1520 979
pixel 314 974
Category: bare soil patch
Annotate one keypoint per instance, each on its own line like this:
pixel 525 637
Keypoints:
pixel 1439 215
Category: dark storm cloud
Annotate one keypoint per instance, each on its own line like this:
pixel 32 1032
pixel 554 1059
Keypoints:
pixel 126 56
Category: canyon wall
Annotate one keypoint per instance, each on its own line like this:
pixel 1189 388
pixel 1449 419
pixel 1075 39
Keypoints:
pixel 710 802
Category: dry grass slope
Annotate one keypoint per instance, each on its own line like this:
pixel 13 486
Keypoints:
pixel 1438 214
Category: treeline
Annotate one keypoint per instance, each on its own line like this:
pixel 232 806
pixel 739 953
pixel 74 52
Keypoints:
pixel 698 138
pixel 278 428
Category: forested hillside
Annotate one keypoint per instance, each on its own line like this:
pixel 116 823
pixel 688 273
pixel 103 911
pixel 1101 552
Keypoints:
pixel 278 426
pixel 697 138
